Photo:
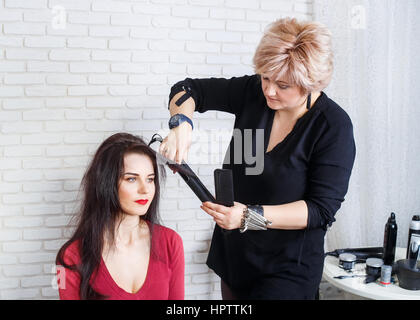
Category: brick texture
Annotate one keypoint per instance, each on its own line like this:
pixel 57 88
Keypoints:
pixel 67 84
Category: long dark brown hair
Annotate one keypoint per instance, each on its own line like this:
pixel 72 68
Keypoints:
pixel 100 209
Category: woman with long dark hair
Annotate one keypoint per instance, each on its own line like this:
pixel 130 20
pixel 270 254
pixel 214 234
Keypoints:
pixel 119 250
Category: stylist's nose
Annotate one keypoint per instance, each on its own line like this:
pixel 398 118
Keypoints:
pixel 270 90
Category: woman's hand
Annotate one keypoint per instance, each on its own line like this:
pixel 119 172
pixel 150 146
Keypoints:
pixel 228 218
pixel 177 143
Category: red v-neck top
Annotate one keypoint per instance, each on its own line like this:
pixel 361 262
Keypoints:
pixel 164 278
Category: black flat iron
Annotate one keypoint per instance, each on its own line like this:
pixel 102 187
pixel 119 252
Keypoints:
pixel 186 174
pixel 361 253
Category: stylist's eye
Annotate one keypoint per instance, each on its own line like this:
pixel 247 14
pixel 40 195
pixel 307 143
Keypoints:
pixel 283 87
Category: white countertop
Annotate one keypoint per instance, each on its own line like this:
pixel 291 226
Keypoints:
pixel 371 290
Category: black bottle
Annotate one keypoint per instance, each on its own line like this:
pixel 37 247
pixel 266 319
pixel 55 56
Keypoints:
pixel 390 240
pixel 414 229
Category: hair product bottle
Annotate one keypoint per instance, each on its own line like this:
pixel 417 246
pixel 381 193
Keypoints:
pixel 390 240
pixel 413 237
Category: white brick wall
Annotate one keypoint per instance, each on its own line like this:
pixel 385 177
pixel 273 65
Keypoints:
pixel 62 91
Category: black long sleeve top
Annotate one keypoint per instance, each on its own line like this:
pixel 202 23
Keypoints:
pixel 313 163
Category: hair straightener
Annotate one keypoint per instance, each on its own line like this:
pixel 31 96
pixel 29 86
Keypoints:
pixel 223 179
pixel 361 253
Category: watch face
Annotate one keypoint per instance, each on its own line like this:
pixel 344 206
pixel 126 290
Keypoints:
pixel 174 121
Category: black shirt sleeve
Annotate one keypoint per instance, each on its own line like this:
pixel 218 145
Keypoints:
pixel 329 171
pixel 216 93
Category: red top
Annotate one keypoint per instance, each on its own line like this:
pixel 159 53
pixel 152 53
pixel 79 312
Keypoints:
pixel 164 278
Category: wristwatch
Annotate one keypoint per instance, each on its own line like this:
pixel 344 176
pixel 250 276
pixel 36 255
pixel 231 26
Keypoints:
pixel 177 119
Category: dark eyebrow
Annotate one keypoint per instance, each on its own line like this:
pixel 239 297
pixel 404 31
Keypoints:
pixel 136 174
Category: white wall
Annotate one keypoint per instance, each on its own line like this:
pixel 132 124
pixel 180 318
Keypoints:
pixel 63 91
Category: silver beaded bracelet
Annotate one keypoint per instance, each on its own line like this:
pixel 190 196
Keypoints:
pixel 253 219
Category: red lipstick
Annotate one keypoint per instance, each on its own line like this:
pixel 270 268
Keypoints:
pixel 142 201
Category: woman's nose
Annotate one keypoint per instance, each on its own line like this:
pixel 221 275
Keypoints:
pixel 270 90
pixel 142 187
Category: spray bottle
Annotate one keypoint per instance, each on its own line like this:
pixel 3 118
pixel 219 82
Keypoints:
pixel 390 240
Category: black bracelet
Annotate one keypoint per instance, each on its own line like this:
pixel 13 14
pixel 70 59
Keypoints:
pixel 177 88
pixel 185 96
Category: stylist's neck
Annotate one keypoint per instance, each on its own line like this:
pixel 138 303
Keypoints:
pixel 292 114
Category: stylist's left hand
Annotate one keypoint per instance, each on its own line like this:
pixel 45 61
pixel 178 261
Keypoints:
pixel 228 218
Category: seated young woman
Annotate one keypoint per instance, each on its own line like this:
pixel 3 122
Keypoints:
pixel 119 251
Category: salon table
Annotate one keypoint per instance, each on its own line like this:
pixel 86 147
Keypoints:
pixel 373 290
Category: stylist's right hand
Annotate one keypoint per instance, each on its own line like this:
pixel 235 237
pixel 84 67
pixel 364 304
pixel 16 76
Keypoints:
pixel 177 143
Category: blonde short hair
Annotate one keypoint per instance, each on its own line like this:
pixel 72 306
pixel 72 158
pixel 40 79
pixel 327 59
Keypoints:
pixel 296 52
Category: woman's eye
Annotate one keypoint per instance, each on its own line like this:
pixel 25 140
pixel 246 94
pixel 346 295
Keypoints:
pixel 151 180
pixel 131 179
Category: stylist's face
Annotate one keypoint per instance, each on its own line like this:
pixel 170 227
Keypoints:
pixel 281 95
pixel 137 184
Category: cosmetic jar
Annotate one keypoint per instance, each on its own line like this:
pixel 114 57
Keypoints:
pixel 347 261
pixel 373 266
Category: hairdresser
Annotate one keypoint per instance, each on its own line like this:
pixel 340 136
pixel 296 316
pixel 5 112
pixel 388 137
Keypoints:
pixel 270 244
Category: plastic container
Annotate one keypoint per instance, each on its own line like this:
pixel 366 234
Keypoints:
pixel 408 274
